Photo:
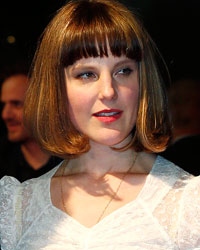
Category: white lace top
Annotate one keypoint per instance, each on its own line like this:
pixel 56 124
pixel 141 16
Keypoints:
pixel 165 215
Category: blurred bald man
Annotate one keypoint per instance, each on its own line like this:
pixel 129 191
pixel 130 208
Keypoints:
pixel 12 97
pixel 20 156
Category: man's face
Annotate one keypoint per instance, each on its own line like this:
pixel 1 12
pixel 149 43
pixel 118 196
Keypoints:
pixel 12 97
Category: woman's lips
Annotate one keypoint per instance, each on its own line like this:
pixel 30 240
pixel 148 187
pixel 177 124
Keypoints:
pixel 108 116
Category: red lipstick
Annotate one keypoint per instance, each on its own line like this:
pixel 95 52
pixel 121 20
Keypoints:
pixel 108 115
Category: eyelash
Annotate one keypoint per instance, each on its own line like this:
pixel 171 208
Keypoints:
pixel 87 75
pixel 126 71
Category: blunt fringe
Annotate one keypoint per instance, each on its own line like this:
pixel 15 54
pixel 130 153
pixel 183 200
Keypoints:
pixel 86 28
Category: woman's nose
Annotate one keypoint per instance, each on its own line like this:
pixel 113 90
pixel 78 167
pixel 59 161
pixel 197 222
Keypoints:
pixel 108 89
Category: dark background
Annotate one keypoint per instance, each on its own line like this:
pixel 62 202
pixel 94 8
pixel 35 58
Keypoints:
pixel 173 24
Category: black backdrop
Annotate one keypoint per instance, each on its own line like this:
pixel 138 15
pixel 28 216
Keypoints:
pixel 173 24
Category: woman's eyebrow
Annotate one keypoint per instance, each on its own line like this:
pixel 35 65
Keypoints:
pixel 124 62
pixel 82 67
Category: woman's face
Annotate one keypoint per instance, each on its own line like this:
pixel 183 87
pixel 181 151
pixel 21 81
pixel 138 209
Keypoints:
pixel 103 97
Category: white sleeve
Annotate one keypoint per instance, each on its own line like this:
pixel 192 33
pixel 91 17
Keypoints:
pixel 9 212
pixel 189 230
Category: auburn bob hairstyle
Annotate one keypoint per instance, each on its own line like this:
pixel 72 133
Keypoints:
pixel 86 28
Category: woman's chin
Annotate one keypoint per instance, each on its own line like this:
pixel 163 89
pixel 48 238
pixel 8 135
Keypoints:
pixel 112 141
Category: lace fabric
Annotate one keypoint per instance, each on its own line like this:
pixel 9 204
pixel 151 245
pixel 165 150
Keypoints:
pixel 165 215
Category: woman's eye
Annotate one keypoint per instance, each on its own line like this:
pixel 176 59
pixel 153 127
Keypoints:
pixel 125 71
pixel 86 75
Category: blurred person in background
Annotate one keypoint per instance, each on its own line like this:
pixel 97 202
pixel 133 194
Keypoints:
pixel 20 155
pixel 184 99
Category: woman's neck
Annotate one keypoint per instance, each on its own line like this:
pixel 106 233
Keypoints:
pixel 101 161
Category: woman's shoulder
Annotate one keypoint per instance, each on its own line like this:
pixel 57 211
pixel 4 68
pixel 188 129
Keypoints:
pixel 11 188
pixel 167 168
pixel 175 179
pixel 9 211
pixel 9 182
pixel 178 178
pixel 189 216
pixel 180 202
pixel 20 203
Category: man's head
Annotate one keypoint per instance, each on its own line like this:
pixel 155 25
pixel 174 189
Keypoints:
pixel 184 99
pixel 13 91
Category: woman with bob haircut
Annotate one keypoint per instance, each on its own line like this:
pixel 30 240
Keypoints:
pixel 97 99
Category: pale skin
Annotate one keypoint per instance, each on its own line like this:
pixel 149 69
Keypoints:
pixel 90 181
